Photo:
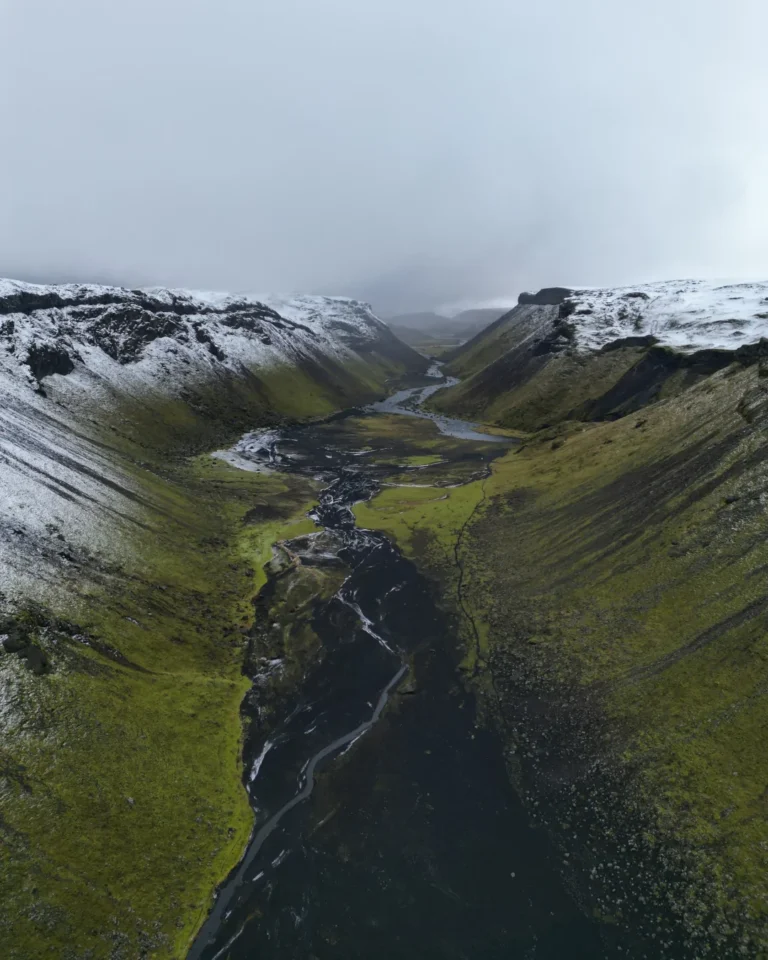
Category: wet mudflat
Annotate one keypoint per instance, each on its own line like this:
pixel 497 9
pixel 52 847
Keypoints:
pixel 385 823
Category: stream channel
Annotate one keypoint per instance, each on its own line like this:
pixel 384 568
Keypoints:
pixel 386 826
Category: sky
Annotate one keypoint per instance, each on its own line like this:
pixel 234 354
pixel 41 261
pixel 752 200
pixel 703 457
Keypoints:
pixel 410 152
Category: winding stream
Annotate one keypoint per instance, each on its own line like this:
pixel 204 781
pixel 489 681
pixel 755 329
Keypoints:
pixel 410 402
pixel 385 823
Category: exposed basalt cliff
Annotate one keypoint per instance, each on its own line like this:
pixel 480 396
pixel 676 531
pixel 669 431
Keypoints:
pixel 128 559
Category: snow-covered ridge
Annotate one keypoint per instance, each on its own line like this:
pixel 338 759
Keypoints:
pixel 74 356
pixel 55 329
pixel 688 315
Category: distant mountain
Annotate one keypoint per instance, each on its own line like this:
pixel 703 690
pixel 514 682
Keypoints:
pixel 424 326
pixel 414 337
pixel 473 321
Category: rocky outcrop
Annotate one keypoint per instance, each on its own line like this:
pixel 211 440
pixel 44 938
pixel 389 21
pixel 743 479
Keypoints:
pixel 548 297
pixel 44 359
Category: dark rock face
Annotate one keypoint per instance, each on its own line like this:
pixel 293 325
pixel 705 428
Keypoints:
pixel 17 640
pixel 44 359
pixel 252 317
pixel 123 331
pixel 24 301
pixel 753 353
pixel 643 383
pixel 647 341
pixel 202 336
pixel 548 297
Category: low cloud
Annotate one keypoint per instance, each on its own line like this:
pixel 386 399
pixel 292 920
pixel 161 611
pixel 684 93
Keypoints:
pixel 413 153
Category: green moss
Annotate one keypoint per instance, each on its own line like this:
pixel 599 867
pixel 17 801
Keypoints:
pixel 637 574
pixel 122 801
pixel 492 343
pixel 428 524
pixel 560 389
pixel 408 513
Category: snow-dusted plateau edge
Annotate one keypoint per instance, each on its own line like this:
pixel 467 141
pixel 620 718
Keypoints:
pixel 72 356
pixel 687 315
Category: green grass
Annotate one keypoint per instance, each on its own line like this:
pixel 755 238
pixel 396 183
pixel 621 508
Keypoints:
pixel 127 807
pixel 121 795
pixel 634 578
pixel 556 391
pixel 421 519
pixel 609 572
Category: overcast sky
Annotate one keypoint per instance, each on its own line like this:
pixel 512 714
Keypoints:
pixel 409 151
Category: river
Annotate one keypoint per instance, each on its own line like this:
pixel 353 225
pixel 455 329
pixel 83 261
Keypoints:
pixel 386 826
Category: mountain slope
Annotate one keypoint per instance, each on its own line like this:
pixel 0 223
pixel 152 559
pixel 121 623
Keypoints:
pixel 128 559
pixel 85 365
pixel 563 354
pixel 614 598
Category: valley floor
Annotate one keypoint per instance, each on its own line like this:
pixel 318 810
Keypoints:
pixel 607 584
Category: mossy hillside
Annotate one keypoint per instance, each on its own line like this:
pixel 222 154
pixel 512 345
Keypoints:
pixel 212 413
pixel 531 388
pixel 122 798
pixel 634 605
pixel 564 385
pixel 491 343
pixel 570 386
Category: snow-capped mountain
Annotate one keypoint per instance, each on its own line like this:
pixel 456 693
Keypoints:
pixel 96 330
pixel 87 371
pixel 687 315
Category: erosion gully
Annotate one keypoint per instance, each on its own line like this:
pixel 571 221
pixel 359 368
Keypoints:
pixel 385 823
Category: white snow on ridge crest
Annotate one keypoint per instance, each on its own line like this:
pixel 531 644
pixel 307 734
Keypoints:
pixel 230 327
pixel 687 315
